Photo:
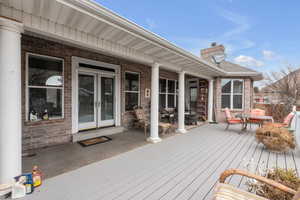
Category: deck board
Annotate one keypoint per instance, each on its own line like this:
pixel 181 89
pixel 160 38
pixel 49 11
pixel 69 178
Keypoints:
pixel 185 166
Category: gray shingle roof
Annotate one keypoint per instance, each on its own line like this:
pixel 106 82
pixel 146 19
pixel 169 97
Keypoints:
pixel 232 67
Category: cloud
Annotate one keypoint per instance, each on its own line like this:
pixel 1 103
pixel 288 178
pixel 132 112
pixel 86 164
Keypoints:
pixel 268 55
pixel 231 38
pixel 248 61
pixel 150 23
pixel 240 22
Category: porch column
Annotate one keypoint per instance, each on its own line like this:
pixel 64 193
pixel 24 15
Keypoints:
pixel 154 129
pixel 181 103
pixel 10 100
pixel 210 100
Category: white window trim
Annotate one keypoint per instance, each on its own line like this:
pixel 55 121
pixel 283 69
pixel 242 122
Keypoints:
pixel 129 91
pixel 232 94
pixel 167 93
pixel 45 87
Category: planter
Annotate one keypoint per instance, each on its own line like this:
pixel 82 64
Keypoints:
pixel 276 139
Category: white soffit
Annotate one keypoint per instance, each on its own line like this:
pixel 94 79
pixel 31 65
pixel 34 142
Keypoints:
pixel 85 22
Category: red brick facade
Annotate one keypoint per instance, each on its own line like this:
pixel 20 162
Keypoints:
pixel 47 133
pixel 248 95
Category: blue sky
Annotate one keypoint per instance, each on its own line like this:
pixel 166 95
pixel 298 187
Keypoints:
pixel 261 34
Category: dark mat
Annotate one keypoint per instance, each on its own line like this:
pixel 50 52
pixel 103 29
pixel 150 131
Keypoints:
pixel 93 141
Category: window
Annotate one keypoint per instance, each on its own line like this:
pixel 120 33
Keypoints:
pixel 232 93
pixel 167 93
pixel 132 90
pixel 45 87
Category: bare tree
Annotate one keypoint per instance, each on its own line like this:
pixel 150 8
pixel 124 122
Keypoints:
pixel 284 86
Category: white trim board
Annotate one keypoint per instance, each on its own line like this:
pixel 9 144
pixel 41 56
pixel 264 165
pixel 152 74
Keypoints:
pixel 75 71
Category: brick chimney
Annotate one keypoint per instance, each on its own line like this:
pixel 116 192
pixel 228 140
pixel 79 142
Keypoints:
pixel 213 50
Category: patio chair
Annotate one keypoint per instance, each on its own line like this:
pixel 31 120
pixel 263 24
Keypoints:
pixel 286 122
pixel 225 191
pixel 142 121
pixel 231 120
pixel 256 112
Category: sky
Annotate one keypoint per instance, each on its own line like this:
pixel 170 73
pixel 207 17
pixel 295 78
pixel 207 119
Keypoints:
pixel 263 35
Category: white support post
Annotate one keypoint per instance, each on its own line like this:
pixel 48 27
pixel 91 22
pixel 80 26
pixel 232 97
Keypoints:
pixel 10 100
pixel 154 129
pixel 181 103
pixel 210 100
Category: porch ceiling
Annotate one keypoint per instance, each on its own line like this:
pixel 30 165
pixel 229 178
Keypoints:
pixel 88 24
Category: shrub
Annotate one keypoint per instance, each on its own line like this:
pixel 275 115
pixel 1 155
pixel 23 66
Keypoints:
pixel 288 178
pixel 275 138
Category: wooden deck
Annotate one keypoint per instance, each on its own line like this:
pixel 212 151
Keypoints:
pixel 181 167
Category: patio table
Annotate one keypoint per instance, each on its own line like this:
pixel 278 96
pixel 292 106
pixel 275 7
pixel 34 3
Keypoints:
pixel 245 118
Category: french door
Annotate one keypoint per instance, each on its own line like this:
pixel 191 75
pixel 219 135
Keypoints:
pixel 96 100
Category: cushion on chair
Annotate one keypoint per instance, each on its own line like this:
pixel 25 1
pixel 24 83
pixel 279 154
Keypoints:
pixel 228 192
pixel 258 112
pixel 287 120
pixel 234 121
pixel 227 113
pixel 277 125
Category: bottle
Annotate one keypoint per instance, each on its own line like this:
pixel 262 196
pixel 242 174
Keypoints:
pixel 29 184
pixel 45 115
pixel 36 176
pixel 18 188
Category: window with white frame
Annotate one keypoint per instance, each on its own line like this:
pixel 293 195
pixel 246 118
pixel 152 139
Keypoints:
pixel 167 93
pixel 45 87
pixel 132 90
pixel 232 93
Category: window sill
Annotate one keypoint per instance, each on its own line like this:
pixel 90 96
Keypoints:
pixel 42 122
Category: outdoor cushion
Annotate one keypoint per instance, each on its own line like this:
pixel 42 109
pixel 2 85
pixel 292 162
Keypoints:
pixel 287 120
pixel 228 192
pixel 234 120
pixel 258 112
pixel 228 114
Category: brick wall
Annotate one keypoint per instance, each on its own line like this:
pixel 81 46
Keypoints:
pixel 248 95
pixel 53 132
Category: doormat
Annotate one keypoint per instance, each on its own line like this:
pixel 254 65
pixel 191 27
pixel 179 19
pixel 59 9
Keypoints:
pixel 93 141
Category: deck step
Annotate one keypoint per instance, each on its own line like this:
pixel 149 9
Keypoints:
pixel 84 135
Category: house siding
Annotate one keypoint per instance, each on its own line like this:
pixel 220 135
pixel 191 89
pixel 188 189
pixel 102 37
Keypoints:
pixel 248 95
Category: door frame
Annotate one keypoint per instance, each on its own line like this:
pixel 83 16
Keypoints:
pixel 75 70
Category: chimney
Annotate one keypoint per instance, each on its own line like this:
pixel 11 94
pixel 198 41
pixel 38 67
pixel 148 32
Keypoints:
pixel 213 50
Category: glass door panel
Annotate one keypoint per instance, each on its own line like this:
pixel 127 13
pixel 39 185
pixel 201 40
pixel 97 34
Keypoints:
pixel 107 101
pixel 87 99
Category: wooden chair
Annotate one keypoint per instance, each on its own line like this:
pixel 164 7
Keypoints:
pixel 256 112
pixel 231 120
pixel 286 122
pixel 228 192
pixel 142 121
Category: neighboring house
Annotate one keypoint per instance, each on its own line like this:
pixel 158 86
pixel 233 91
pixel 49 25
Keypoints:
pixel 85 67
pixel 267 97
pixel 280 90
